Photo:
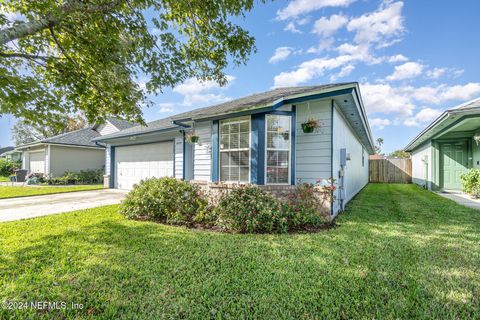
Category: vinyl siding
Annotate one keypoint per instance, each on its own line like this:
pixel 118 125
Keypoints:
pixel 74 159
pixel 107 128
pixel 179 157
pixel 418 165
pixel 355 172
pixel 202 161
pixel 313 150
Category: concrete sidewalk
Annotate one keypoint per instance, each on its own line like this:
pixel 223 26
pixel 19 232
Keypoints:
pixel 461 198
pixel 36 206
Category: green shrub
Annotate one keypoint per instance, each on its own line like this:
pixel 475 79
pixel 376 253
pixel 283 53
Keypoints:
pixel 471 182
pixel 165 199
pixel 305 206
pixel 90 176
pixel 7 167
pixel 248 209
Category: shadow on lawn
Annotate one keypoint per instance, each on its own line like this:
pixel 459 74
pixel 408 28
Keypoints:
pixel 370 266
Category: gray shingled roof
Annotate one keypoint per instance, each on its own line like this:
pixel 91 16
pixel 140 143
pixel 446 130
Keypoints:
pixel 469 105
pixel 81 137
pixel 5 149
pixel 253 101
pixel 157 125
pixel 120 123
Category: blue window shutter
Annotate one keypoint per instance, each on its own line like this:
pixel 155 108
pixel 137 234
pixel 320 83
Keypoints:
pixel 215 151
pixel 293 145
pixel 257 150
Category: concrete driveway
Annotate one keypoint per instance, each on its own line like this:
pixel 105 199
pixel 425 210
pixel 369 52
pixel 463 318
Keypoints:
pixel 36 206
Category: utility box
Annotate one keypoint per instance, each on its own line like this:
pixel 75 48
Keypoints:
pixel 343 157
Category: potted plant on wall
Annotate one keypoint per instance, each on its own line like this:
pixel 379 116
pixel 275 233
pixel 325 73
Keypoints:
pixel 310 125
pixel 192 138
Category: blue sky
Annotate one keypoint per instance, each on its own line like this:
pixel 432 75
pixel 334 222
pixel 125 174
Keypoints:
pixel 413 59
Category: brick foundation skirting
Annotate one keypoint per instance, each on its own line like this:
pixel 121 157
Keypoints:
pixel 215 190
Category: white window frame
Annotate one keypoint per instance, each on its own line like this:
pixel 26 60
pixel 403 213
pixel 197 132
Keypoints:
pixel 274 149
pixel 233 121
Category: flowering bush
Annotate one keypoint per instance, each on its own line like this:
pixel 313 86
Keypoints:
pixel 164 199
pixel 250 209
pixel 305 206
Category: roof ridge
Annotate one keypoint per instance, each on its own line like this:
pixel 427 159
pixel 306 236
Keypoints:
pixel 66 133
pixel 465 104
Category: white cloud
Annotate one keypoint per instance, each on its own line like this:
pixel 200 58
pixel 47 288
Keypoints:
pixel 166 107
pixel 310 69
pixel 291 27
pixel 325 44
pixel 423 116
pixel 402 101
pixel 199 93
pixel 379 123
pixel 328 26
pixel 383 98
pixel 406 71
pixel 436 73
pixel 397 58
pixel 281 54
pixel 344 72
pixel 381 26
pixel 298 7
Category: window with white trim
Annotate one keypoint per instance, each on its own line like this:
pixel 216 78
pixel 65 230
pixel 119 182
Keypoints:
pixel 278 138
pixel 235 150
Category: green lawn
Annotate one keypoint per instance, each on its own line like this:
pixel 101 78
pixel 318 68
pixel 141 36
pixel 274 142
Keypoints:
pixel 398 252
pixel 4 179
pixel 24 191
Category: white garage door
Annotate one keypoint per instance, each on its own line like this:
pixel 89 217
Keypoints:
pixel 37 162
pixel 134 163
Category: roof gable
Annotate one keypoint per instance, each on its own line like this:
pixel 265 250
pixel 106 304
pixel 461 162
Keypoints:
pixel 444 120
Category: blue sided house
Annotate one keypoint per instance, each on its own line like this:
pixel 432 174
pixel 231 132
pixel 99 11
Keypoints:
pixel 260 139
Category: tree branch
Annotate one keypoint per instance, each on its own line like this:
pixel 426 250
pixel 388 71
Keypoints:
pixel 25 29
pixel 32 27
pixel 24 56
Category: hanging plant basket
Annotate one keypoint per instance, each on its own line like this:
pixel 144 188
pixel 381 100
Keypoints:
pixel 476 138
pixel 310 125
pixel 193 138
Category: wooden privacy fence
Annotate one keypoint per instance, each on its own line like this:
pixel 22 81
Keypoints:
pixel 390 170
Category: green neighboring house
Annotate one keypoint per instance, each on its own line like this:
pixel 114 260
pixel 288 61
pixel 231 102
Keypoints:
pixel 447 148
pixel 10 153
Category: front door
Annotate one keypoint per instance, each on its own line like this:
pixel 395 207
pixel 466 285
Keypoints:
pixel 453 163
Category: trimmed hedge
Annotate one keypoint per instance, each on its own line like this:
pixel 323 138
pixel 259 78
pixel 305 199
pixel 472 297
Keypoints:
pixel 165 199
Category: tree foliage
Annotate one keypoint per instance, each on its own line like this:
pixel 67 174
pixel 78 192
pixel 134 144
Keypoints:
pixel 24 132
pixel 399 154
pixel 59 57
pixel 378 145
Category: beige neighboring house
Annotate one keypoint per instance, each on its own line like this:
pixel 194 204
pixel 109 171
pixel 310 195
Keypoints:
pixel 72 151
